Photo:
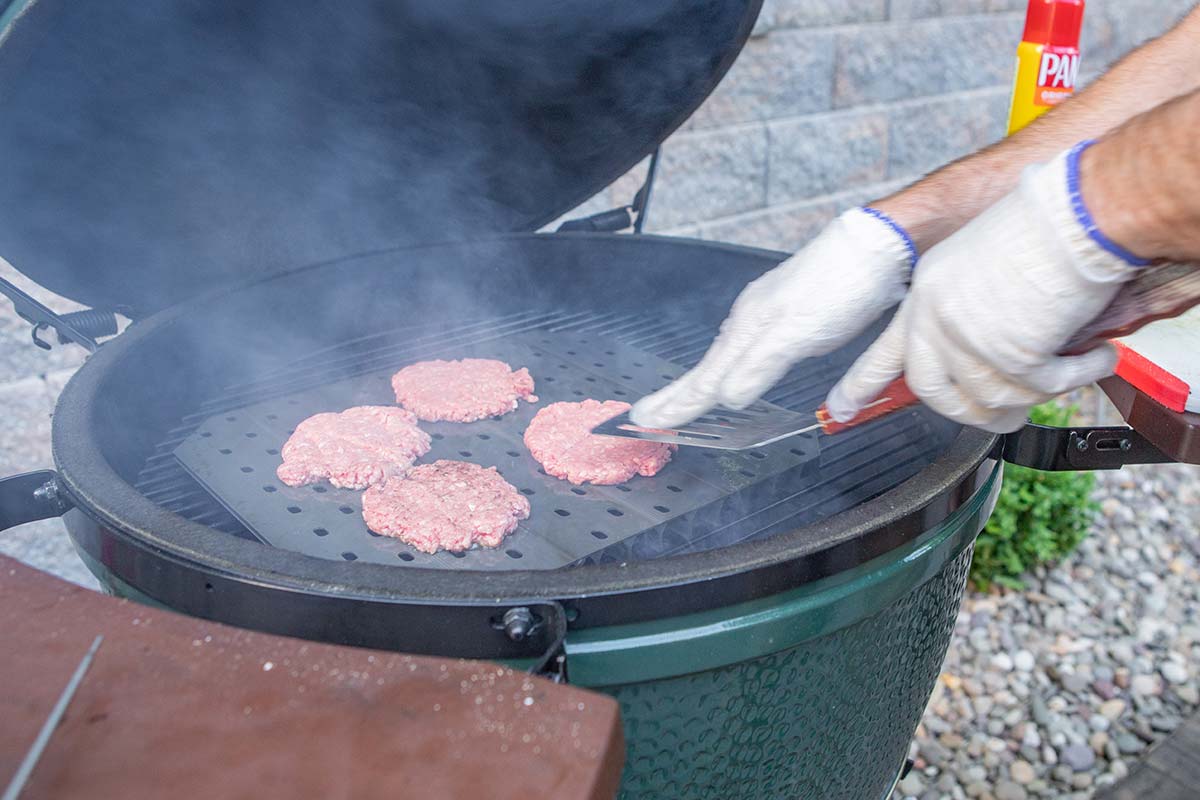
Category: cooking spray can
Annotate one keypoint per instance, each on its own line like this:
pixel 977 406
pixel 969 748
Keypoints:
pixel 1047 59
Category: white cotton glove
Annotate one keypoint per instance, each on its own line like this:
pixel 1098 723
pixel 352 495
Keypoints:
pixel 990 307
pixel 813 303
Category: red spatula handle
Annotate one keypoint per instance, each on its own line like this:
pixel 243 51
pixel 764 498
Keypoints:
pixel 895 396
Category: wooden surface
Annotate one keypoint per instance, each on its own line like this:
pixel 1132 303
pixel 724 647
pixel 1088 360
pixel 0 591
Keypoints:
pixel 180 707
pixel 1170 771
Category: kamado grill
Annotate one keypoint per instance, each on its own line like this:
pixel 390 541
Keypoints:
pixel 293 203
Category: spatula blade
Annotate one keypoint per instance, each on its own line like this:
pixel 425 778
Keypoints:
pixel 720 429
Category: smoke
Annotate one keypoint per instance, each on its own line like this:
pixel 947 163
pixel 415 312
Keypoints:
pixel 155 150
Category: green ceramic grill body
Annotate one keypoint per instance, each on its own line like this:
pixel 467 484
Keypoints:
pixel 813 694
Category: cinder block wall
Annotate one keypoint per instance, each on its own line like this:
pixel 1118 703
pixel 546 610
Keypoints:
pixel 836 102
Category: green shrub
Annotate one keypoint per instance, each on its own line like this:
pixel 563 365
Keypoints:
pixel 1039 517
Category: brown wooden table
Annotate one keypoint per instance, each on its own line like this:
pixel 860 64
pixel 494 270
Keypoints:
pixel 178 707
pixel 1170 771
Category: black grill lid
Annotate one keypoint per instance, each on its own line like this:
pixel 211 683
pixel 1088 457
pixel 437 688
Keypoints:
pixel 149 150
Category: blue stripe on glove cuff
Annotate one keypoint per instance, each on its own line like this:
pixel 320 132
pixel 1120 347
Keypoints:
pixel 1085 217
pixel 899 231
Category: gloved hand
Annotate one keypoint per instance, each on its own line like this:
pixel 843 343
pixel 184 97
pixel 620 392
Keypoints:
pixel 813 303
pixel 990 307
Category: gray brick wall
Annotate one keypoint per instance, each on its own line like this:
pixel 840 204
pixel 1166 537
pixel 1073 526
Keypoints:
pixel 836 102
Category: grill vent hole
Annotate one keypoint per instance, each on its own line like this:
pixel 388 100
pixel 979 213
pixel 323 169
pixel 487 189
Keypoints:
pixel 609 353
pixel 247 469
pixel 600 534
pixel 794 451
pixel 272 416
pixel 577 393
pixel 627 377
pixel 208 587
pixel 616 512
pixel 590 379
pixel 320 489
pixel 438 436
pixel 578 491
pixel 320 532
pixel 527 492
pixel 272 452
pixel 457 554
pixel 513 553
pixel 757 454
pixel 206 435
pixel 570 352
pixel 231 419
pixel 619 392
pixel 465 453
pixel 512 453
pixel 674 489
pixel 549 379
pixel 349 556
pixel 484 436
pixel 406 557
pixel 622 487
pixel 638 364
pixel 294 509
pixel 662 509
pixel 251 435
pixel 747 473
pixel 224 451
pixel 562 512
pixel 346 509
pixel 597 363
pixel 270 489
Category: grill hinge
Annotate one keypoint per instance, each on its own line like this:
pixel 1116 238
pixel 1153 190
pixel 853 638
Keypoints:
pixel 618 219
pixel 547 621
pixel 80 327
pixel 1052 449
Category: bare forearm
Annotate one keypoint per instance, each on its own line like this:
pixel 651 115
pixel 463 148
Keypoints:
pixel 1141 183
pixel 937 206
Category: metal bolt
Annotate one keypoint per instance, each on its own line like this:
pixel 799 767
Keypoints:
pixel 518 623
pixel 47 493
pixel 1126 445
pixel 1081 445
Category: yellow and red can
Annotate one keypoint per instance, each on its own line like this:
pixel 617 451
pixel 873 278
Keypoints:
pixel 1047 59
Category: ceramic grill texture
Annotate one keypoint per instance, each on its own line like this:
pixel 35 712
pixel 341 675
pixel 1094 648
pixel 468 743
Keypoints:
pixel 831 718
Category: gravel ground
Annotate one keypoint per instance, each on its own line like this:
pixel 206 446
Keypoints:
pixel 1055 691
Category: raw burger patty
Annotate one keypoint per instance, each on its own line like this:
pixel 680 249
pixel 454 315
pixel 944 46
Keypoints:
pixel 461 391
pixel 560 438
pixel 446 505
pixel 353 449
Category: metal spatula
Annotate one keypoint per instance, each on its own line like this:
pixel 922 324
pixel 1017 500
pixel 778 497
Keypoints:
pixel 1160 291
pixel 759 424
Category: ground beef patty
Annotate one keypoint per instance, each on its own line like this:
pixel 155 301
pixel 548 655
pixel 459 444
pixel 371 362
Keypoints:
pixel 461 391
pixel 446 505
pixel 353 449
pixel 560 438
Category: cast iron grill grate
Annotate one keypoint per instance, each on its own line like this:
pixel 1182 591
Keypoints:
pixel 218 466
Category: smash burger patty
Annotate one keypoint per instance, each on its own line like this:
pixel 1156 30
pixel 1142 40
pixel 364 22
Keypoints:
pixel 560 438
pixel 462 391
pixel 353 449
pixel 446 505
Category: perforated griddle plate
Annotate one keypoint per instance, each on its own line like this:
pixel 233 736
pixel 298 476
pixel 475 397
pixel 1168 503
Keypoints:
pixel 700 494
